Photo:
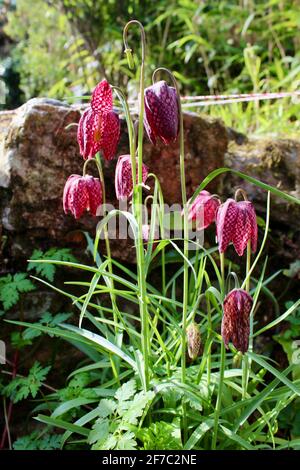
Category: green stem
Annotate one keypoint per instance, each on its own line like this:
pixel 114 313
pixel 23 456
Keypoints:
pixel 246 366
pixel 209 328
pixel 137 202
pixel 131 133
pixel 222 263
pixel 115 363
pixel 185 235
pixel 219 398
pixel 222 365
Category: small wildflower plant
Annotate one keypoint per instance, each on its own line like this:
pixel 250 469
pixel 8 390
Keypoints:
pixel 176 367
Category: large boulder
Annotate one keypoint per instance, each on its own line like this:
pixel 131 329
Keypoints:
pixel 39 150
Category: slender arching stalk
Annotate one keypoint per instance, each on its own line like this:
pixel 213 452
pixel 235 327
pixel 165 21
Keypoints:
pixel 137 204
pixel 245 366
pixel 185 232
pixel 130 127
pixel 222 364
pixel 116 314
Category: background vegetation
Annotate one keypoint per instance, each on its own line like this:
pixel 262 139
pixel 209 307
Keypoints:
pixel 227 46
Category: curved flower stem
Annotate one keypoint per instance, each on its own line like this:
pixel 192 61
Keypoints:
pixel 245 366
pixel 137 204
pixel 130 127
pixel 185 234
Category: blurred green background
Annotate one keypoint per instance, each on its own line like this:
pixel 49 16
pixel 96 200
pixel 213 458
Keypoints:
pixel 62 48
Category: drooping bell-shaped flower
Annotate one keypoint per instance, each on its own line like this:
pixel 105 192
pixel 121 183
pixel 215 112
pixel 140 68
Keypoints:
pixel 82 193
pixel 161 118
pixel 123 177
pixel 99 125
pixel 236 223
pixel 193 340
pixel 235 323
pixel 203 210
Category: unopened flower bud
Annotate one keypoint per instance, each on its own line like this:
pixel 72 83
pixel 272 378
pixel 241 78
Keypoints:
pixel 193 340
pixel 129 57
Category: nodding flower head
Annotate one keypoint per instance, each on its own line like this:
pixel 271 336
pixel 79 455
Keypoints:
pixel 99 125
pixel 193 340
pixel 123 177
pixel 236 223
pixel 203 210
pixel 235 323
pixel 161 118
pixel 82 193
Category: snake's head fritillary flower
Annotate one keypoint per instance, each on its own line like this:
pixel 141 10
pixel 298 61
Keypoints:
pixel 236 223
pixel 193 340
pixel 123 177
pixel 82 193
pixel 203 210
pixel 161 118
pixel 99 125
pixel 235 323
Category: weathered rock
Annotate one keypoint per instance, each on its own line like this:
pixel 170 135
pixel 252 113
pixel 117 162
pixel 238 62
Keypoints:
pixel 39 151
pixel 275 162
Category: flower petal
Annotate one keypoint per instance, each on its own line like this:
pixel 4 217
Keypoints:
pixel 235 322
pixel 110 134
pixel 102 99
pixel 94 190
pixel 161 112
pixel 225 222
pixel 123 177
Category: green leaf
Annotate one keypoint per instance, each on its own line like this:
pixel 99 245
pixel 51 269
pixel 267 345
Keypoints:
pixel 126 391
pixel 259 360
pixel 48 270
pixel 126 442
pixel 255 181
pixel 161 435
pixel 137 406
pixel 34 441
pixel 99 432
pixel 21 387
pixel 56 422
pixel 12 286
pixel 199 432
pixel 106 408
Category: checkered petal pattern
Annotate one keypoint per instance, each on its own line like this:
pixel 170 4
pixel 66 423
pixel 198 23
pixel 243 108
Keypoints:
pixel 123 177
pixel 161 118
pixel 235 323
pixel 203 210
pixel 82 193
pixel 99 125
pixel 236 223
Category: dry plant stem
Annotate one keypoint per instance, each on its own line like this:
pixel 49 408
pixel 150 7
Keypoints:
pixel 137 205
pixel 10 406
